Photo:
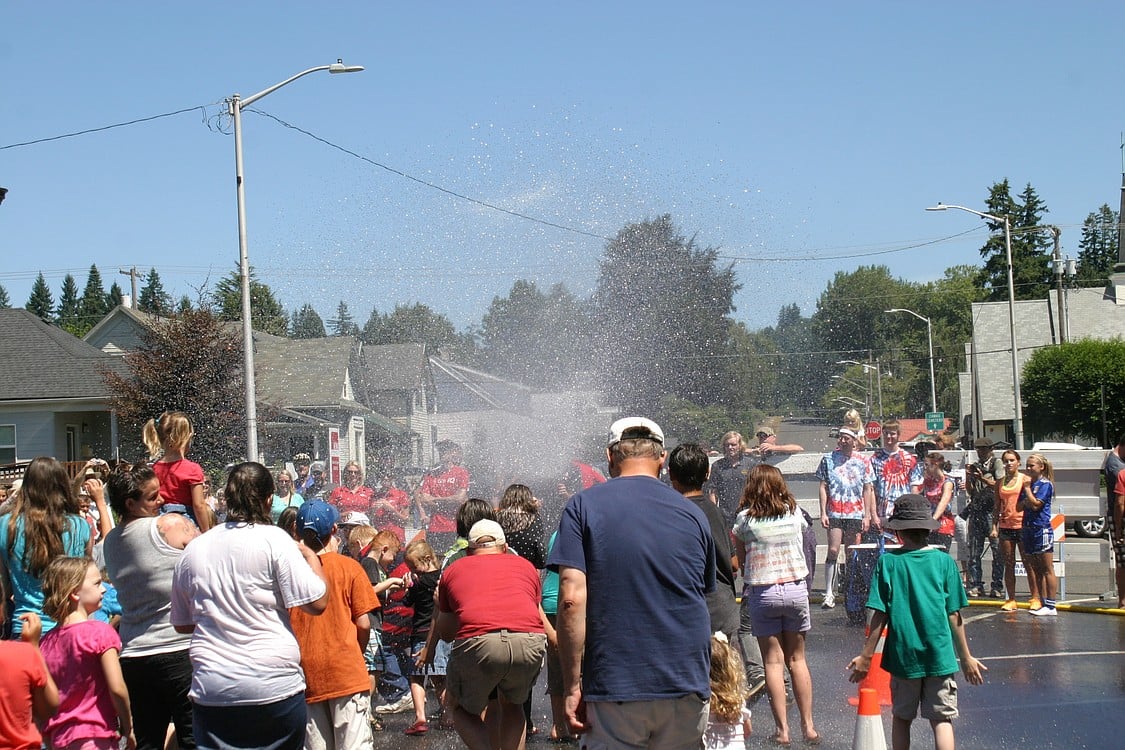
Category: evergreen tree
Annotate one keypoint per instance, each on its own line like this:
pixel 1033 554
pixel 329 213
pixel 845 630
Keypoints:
pixel 5 300
pixel 307 324
pixel 1031 270
pixel 67 314
pixel 41 302
pixel 184 305
pixel 266 313
pixel 114 297
pixel 92 307
pixel 1097 250
pixel 153 298
pixel 418 324
pixel 343 324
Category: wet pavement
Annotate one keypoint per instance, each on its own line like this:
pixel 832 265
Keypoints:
pixel 1051 683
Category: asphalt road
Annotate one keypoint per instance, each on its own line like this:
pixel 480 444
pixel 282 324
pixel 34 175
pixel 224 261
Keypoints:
pixel 1051 683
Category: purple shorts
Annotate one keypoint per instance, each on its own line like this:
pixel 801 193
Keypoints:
pixel 779 607
pixel 1037 540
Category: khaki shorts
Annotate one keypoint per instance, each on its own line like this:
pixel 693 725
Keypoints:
pixel 503 661
pixel 668 724
pixel 936 696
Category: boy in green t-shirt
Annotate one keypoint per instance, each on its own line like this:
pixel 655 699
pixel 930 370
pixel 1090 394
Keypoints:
pixel 917 592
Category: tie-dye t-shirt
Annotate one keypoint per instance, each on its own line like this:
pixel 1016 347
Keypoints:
pixel 894 473
pixel 845 477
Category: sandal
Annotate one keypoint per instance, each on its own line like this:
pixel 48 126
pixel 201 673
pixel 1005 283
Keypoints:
pixel 814 740
pixel 780 743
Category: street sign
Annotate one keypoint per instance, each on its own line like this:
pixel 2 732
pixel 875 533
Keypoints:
pixel 872 430
pixel 935 420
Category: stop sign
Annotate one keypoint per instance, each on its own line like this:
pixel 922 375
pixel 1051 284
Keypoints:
pixel 872 430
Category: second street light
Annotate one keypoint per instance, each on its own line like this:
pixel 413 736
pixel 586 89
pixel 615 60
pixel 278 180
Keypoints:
pixel 1017 417
pixel 235 105
pixel 930 339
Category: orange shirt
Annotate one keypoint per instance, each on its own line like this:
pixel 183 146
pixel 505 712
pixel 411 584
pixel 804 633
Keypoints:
pixel 1009 492
pixel 330 654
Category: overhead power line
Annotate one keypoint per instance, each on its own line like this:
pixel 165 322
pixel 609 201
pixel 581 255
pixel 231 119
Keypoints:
pixel 201 107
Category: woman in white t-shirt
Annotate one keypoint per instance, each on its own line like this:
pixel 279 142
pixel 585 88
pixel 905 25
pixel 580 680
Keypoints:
pixel 769 539
pixel 232 590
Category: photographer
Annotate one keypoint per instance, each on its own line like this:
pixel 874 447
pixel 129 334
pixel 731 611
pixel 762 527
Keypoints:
pixel 981 478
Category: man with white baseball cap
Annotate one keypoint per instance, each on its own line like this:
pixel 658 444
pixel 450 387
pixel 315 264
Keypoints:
pixel 635 562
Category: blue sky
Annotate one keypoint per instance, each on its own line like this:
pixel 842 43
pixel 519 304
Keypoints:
pixel 786 134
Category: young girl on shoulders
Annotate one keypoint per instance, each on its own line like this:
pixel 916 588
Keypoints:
pixel 1037 535
pixel 181 481
pixel 728 723
pixel 82 655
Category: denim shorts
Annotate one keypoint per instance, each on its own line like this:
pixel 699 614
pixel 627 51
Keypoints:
pixel 441 658
pixel 1037 540
pixel 373 655
pixel 779 607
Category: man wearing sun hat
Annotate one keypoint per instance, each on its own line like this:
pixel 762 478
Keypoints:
pixel 635 563
pixel 846 501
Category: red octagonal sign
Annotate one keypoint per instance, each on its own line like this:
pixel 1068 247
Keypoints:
pixel 873 430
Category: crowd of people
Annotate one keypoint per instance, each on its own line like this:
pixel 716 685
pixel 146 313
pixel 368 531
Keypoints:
pixel 292 612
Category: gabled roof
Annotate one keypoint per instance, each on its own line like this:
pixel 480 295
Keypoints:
pixel 395 367
pixel 301 373
pixel 142 319
pixel 460 388
pixel 45 362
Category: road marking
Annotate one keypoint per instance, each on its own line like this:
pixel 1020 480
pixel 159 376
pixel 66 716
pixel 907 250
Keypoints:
pixel 1045 656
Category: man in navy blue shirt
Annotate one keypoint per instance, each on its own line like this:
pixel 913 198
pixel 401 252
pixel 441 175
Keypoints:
pixel 635 563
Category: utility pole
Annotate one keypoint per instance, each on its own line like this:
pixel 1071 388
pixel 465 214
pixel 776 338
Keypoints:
pixel 1064 325
pixel 132 274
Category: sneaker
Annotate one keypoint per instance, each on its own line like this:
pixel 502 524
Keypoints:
pixel 405 703
pixel 1034 604
pixel 1045 612
pixel 756 687
pixel 975 592
pixel 1008 606
pixel 418 727
pixel 996 594
pixel 828 603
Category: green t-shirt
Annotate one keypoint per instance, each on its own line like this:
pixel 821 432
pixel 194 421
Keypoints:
pixel 918 589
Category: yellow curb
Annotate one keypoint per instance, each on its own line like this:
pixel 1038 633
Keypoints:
pixel 1103 610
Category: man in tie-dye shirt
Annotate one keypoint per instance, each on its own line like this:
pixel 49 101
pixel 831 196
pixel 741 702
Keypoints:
pixel 894 470
pixel 846 500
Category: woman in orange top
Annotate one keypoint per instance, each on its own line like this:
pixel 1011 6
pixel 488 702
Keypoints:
pixel 1007 523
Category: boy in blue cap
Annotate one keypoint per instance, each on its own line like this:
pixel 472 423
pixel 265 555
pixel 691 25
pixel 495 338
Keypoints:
pixel 332 643
pixel 917 592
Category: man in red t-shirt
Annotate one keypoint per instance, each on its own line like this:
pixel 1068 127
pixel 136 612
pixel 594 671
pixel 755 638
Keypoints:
pixel 441 494
pixel 488 605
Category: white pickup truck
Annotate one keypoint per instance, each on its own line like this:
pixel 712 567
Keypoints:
pixel 1078 482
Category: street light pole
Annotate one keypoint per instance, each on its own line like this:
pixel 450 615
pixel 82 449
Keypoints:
pixel 878 377
pixel 1017 422
pixel 930 339
pixel 235 105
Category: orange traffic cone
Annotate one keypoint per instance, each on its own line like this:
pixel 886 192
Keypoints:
pixel 877 679
pixel 869 723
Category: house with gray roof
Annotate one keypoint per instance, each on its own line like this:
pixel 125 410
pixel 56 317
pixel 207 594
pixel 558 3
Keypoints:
pixel 397 381
pixel 987 399
pixel 53 397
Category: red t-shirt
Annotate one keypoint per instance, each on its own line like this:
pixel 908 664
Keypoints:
pixel 347 500
pixel 491 592
pixel 448 483
pixel 383 519
pixel 176 480
pixel 23 672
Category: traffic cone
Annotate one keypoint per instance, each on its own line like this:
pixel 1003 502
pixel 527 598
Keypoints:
pixel 869 723
pixel 877 679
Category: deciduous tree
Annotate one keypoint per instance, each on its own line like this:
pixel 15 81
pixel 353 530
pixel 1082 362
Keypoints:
pixel 1062 388
pixel 187 363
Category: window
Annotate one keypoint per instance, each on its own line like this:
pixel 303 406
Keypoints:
pixel 7 444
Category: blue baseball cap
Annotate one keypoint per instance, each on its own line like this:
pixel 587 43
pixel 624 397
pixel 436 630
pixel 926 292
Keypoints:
pixel 317 516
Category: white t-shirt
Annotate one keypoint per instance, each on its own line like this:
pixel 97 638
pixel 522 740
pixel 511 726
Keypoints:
pixel 775 550
pixel 236 584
